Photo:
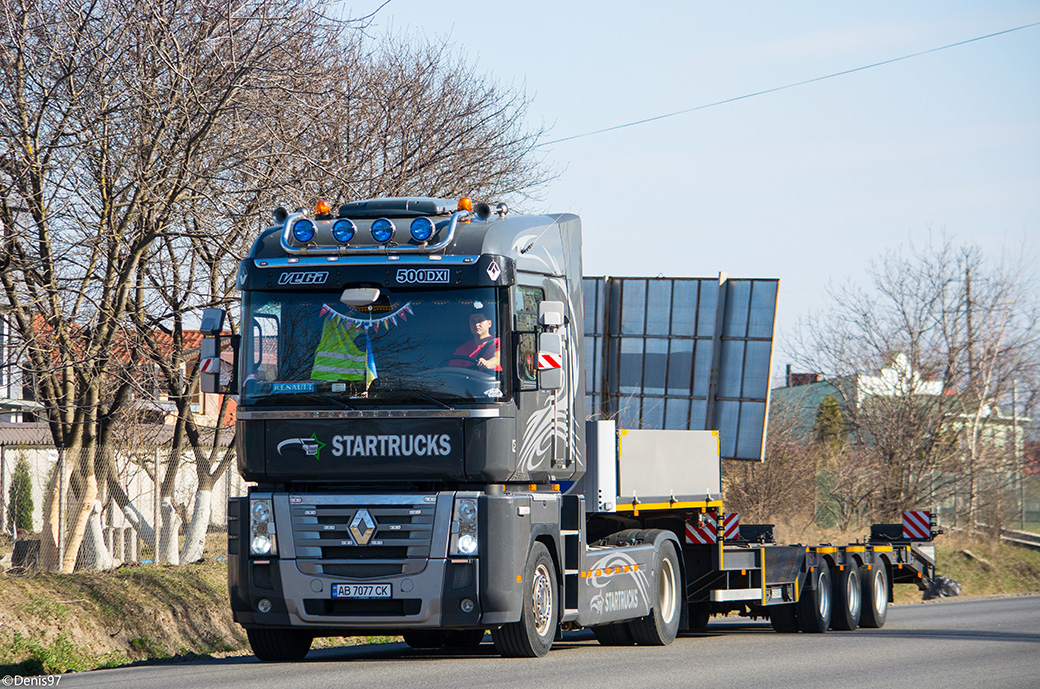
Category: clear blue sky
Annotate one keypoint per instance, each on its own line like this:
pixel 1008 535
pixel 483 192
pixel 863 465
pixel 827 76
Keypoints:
pixel 805 184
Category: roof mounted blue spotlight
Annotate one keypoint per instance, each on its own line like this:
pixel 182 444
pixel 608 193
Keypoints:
pixel 344 230
pixel 383 230
pixel 303 230
pixel 422 229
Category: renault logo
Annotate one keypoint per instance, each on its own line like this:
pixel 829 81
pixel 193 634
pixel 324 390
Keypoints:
pixel 362 527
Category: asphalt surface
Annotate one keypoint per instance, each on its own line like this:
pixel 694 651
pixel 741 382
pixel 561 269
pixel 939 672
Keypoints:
pixel 991 643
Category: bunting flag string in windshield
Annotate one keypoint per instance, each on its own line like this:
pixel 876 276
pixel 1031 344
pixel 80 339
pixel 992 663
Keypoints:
pixel 384 322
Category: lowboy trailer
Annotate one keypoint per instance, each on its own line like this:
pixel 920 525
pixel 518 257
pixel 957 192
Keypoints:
pixel 411 413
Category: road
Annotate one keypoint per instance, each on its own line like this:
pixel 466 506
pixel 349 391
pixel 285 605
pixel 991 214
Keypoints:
pixel 991 644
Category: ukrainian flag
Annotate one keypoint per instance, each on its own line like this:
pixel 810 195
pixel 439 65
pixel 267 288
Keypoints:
pixel 370 362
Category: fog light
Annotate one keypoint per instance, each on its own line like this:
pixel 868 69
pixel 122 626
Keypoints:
pixel 466 605
pixel 263 605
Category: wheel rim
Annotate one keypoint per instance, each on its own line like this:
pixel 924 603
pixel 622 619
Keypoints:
pixel 666 590
pixel 852 594
pixel 542 600
pixel 880 592
pixel 824 601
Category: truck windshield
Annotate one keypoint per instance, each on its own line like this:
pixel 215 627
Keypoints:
pixel 432 347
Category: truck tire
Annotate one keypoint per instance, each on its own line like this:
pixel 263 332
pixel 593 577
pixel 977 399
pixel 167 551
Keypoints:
pixel 532 636
pixel 617 634
pixel 848 598
pixel 279 645
pixel 660 626
pixel 875 595
pixel 783 618
pixel 814 607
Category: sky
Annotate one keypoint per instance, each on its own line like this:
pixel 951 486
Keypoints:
pixel 804 184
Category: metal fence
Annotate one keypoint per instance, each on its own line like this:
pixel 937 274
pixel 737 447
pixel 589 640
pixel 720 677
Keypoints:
pixel 102 511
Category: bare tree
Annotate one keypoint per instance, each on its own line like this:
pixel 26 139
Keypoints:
pixel 783 486
pixel 111 116
pixel 139 142
pixel 921 360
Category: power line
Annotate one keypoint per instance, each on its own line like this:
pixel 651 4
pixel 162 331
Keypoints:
pixel 786 86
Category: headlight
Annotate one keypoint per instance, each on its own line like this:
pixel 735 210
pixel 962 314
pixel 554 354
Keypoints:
pixel 262 544
pixel 467 511
pixel 261 511
pixel 467 544
pixel 464 537
pixel 261 528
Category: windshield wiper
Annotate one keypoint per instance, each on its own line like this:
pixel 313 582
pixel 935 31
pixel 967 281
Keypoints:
pixel 399 392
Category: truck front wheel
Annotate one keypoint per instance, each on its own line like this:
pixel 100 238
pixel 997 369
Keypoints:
pixel 660 626
pixel 279 645
pixel 532 636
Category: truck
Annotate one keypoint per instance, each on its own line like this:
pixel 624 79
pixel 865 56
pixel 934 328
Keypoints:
pixel 411 385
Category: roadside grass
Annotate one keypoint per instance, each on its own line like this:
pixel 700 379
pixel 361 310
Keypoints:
pixel 54 623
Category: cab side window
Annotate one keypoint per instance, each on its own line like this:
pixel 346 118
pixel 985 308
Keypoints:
pixel 527 301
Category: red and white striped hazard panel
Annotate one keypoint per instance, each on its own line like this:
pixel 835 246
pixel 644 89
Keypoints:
pixel 731 526
pixel 210 365
pixel 917 524
pixel 704 532
pixel 547 361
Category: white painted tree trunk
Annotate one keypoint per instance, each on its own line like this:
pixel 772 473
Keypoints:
pixel 94 553
pixel 171 530
pixel 140 524
pixel 195 538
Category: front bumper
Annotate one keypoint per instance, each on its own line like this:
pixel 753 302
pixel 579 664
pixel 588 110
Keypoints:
pixel 434 591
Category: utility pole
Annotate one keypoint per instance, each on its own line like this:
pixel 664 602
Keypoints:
pixel 1017 457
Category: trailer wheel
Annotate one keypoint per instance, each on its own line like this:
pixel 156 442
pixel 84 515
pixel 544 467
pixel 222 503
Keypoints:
pixel 814 608
pixel 875 596
pixel 532 636
pixel 660 626
pixel 783 618
pixel 848 599
pixel 279 645
pixel 617 634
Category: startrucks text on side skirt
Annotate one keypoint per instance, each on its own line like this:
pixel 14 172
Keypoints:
pixel 412 409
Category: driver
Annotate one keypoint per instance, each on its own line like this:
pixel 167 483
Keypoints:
pixel 483 350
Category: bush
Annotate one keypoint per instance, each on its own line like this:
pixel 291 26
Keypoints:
pixel 20 501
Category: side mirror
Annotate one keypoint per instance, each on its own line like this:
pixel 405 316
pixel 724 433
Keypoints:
pixel 212 322
pixel 550 361
pixel 211 374
pixel 550 314
pixel 209 364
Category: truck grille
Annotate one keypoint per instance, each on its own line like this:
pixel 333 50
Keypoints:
pixel 360 537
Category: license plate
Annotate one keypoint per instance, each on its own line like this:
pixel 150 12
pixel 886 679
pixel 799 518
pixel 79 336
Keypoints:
pixel 361 591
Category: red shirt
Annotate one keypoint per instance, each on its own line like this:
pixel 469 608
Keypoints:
pixel 474 350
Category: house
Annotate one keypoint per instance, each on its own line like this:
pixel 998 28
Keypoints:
pixel 944 447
